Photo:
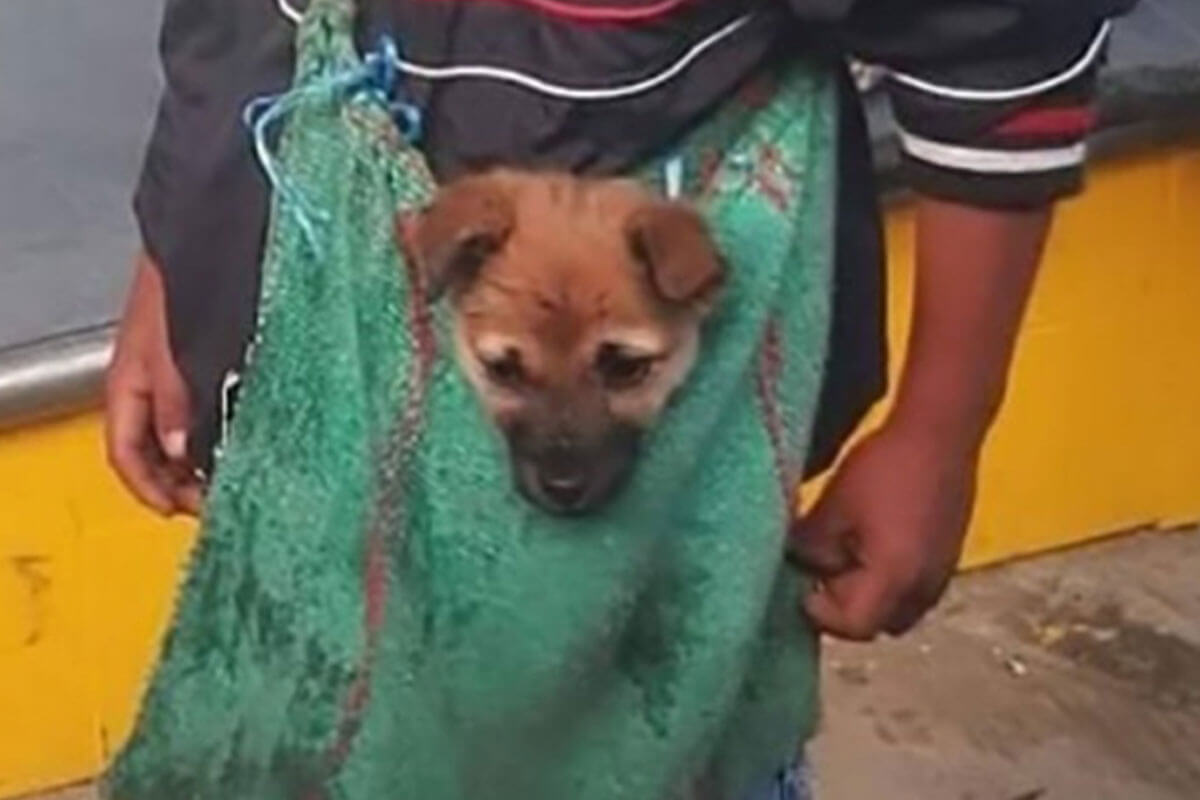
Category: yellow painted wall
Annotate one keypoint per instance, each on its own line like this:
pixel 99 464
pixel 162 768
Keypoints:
pixel 86 582
pixel 1101 433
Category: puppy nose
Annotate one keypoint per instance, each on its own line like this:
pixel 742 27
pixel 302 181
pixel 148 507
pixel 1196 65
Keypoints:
pixel 564 491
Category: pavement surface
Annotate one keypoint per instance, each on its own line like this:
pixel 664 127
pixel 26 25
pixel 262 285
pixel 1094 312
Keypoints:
pixel 1073 676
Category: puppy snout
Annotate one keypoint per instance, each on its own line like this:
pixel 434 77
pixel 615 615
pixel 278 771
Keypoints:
pixel 565 473
pixel 565 476
pixel 564 491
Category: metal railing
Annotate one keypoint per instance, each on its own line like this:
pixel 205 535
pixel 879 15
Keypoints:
pixel 53 377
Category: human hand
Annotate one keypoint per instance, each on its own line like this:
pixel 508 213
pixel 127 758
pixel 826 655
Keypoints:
pixel 885 537
pixel 146 404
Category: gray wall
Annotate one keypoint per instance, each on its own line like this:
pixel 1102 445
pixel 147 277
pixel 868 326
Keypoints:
pixel 78 82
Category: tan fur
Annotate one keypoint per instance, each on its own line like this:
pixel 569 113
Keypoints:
pixel 564 281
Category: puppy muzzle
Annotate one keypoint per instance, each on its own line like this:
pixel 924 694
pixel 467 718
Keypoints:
pixel 569 475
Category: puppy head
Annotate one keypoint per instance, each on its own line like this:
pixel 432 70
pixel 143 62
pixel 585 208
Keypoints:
pixel 577 308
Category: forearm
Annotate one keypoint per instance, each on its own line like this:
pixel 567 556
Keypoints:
pixel 975 270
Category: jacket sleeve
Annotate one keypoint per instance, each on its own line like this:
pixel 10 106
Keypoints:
pixel 215 56
pixel 201 201
pixel 993 99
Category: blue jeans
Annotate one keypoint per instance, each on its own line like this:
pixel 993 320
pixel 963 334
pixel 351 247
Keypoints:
pixel 790 784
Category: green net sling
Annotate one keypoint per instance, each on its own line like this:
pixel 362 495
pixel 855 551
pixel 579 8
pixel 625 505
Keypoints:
pixel 371 611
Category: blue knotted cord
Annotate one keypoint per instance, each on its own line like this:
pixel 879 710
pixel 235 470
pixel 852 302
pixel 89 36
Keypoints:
pixel 376 76
pixel 673 177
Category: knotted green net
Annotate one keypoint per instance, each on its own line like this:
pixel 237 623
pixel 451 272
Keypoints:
pixel 371 612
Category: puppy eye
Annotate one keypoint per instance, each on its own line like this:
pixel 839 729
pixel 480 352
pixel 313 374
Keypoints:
pixel 619 369
pixel 505 370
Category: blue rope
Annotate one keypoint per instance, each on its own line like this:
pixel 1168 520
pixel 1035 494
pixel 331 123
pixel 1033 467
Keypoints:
pixel 377 76
pixel 383 63
pixel 673 177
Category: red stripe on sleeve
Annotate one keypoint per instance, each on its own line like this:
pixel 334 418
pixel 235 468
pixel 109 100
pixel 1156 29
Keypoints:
pixel 581 12
pixel 1049 122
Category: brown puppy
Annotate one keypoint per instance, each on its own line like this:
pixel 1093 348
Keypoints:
pixel 578 304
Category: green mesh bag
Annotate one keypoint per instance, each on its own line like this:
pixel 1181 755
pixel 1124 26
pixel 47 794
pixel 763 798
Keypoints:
pixel 372 612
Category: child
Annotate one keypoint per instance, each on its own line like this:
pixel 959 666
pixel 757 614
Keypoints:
pixel 992 105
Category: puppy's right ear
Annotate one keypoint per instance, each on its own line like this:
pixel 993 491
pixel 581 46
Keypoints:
pixel 469 221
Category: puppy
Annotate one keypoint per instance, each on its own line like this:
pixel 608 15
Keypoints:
pixel 577 307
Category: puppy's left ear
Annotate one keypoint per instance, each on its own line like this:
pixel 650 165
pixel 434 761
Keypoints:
pixel 470 220
pixel 672 243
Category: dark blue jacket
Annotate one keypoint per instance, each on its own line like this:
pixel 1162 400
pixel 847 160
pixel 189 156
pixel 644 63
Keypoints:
pixel 992 99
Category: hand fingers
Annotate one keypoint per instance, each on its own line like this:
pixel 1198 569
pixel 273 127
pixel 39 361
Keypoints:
pixel 855 605
pixel 860 606
pixel 171 415
pixel 189 496
pixel 823 543
pixel 130 450
pixel 906 616
pixel 918 602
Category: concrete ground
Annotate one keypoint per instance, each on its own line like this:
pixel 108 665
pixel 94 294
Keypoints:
pixel 1074 676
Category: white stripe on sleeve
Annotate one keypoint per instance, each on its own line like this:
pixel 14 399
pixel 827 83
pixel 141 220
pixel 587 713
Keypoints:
pixel 1073 71
pixel 997 162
